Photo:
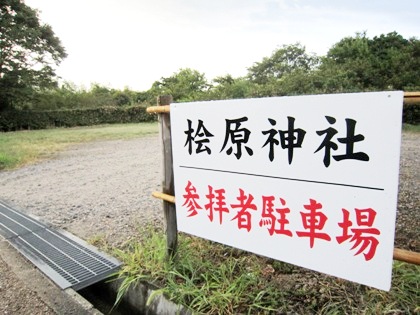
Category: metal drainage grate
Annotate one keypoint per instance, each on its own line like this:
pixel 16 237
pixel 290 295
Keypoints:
pixel 64 258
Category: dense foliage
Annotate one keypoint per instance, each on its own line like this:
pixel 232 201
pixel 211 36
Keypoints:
pixel 11 120
pixel 354 64
pixel 387 62
pixel 69 96
pixel 28 52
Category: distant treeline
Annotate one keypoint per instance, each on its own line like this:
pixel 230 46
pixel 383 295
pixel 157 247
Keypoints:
pixel 354 64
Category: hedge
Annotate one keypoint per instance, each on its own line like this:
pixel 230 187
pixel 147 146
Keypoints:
pixel 29 119
pixel 11 120
pixel 411 114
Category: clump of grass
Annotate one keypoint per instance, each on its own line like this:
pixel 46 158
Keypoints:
pixel 143 260
pixel 410 128
pixel 404 296
pixel 25 147
pixel 221 281
pixel 211 278
pixel 7 160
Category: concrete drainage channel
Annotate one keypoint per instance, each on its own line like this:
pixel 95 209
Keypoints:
pixel 76 268
pixel 103 294
pixel 95 299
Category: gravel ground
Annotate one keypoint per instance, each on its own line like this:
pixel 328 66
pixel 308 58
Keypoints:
pixel 16 298
pixel 407 231
pixel 102 190
pixel 95 190
pixel 98 190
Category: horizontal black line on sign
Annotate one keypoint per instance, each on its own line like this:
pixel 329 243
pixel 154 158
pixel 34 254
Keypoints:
pixel 282 178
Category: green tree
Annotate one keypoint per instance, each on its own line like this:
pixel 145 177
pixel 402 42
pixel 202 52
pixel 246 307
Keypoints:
pixel 65 96
pixel 283 61
pixel 122 98
pixel 350 56
pixel 227 87
pixel 362 64
pixel 184 85
pixel 395 62
pixel 146 97
pixel 29 50
pixel 272 73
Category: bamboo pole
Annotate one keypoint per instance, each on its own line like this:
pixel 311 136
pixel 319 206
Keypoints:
pixel 158 109
pixel 412 97
pixel 163 196
pixel 409 98
pixel 407 256
pixel 168 178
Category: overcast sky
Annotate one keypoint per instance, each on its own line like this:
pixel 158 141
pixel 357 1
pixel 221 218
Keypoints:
pixel 132 43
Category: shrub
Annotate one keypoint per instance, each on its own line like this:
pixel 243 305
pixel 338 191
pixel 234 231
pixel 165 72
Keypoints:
pixel 11 120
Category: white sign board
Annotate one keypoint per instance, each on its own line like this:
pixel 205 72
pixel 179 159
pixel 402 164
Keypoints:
pixel 309 180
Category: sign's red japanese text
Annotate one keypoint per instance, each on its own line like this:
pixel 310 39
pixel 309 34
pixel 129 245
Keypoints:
pixel 272 213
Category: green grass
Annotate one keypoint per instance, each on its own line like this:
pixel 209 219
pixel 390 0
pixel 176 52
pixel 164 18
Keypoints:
pixel 26 147
pixel 211 278
pixel 411 128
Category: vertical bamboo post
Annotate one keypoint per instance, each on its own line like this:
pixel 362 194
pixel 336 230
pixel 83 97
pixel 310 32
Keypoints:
pixel 168 178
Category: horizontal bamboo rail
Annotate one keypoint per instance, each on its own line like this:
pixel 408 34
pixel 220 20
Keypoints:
pixel 163 196
pixel 412 97
pixel 399 254
pixel 158 109
pixel 409 98
pixel 407 256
